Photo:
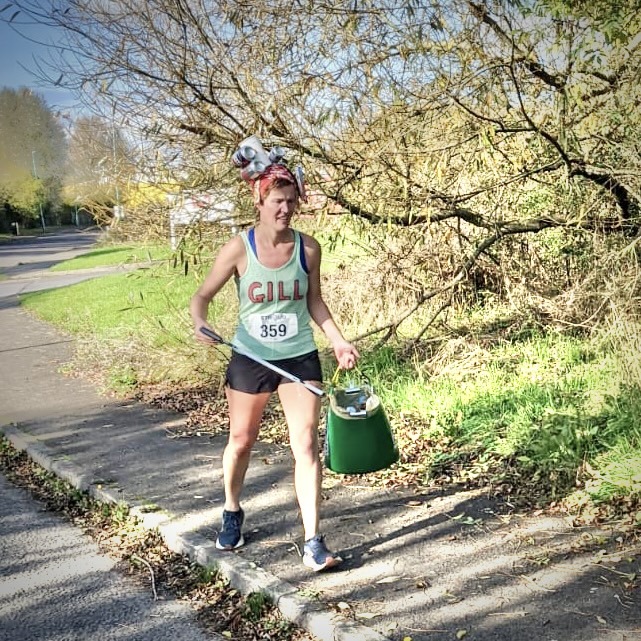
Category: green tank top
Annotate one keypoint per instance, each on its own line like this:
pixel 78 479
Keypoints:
pixel 274 321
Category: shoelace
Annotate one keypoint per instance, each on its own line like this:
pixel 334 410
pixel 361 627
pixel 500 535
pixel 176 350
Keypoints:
pixel 232 519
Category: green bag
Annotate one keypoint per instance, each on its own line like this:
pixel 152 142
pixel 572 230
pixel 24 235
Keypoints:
pixel 358 437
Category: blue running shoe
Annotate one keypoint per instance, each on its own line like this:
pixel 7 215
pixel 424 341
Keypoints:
pixel 231 537
pixel 316 555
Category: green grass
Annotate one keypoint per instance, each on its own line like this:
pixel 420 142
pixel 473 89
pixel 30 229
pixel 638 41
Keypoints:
pixel 136 326
pixel 543 407
pixel 116 305
pixel 112 256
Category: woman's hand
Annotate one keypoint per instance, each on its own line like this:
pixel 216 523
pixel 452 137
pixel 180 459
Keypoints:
pixel 346 354
pixel 204 338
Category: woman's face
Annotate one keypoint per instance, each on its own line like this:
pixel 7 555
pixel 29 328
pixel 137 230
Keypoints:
pixel 279 206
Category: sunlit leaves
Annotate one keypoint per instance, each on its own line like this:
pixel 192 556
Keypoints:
pixel 100 162
pixel 24 195
pixel 32 151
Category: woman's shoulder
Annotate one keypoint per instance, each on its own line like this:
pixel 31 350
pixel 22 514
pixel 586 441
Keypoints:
pixel 312 251
pixel 234 247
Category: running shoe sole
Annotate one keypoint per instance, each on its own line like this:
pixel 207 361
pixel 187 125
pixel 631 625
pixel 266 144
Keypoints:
pixel 330 562
pixel 240 543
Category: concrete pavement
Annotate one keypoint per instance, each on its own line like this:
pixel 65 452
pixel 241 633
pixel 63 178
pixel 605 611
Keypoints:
pixel 55 584
pixel 429 564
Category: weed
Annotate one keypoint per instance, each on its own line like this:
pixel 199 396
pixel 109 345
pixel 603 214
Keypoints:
pixel 255 605
pixel 122 379
pixel 206 574
pixel 149 508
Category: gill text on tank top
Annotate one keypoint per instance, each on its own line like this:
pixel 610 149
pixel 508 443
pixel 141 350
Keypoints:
pixel 274 321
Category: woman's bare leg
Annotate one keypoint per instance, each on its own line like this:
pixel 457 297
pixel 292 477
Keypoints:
pixel 245 413
pixel 302 412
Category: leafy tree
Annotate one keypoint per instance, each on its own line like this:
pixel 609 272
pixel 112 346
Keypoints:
pixel 32 153
pixel 24 196
pixel 449 130
pixel 99 166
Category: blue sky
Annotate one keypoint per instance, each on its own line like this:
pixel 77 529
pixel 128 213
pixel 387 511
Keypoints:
pixel 17 60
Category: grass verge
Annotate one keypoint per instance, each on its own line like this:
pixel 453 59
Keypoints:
pixel 110 256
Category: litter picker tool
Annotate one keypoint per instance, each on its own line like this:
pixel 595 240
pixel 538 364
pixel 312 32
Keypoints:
pixel 211 334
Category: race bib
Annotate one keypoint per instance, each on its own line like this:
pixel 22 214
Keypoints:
pixel 272 328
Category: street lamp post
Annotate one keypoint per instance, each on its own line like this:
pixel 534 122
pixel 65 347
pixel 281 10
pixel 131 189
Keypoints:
pixel 118 210
pixel 35 175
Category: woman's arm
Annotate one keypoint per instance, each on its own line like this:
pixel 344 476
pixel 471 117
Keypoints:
pixel 230 260
pixel 346 354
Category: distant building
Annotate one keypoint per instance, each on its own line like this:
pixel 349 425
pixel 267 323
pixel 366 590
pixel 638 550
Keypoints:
pixel 188 208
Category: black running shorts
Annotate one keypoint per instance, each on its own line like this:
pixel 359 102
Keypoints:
pixel 246 375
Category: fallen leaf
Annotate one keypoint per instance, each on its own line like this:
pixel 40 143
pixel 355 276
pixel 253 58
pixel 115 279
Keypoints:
pixel 342 605
pixel 461 634
pixel 601 620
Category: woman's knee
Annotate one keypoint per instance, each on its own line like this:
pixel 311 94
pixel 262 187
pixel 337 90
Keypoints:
pixel 304 447
pixel 241 443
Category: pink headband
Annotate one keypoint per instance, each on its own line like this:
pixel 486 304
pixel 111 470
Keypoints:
pixel 272 173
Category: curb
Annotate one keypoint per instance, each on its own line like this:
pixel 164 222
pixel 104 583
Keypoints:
pixel 25 274
pixel 243 575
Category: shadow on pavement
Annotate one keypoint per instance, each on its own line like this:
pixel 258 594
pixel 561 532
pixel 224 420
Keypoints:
pixel 422 564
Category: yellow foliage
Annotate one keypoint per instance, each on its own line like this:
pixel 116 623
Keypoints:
pixel 140 194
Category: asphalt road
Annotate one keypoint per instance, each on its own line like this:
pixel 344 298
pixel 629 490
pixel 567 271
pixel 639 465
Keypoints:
pixel 24 261
pixel 55 585
pixel 28 254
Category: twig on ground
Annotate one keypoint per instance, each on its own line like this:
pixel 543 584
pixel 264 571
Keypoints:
pixel 624 605
pixel 284 542
pixel 508 614
pixel 627 575
pixel 527 580
pixel 151 573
